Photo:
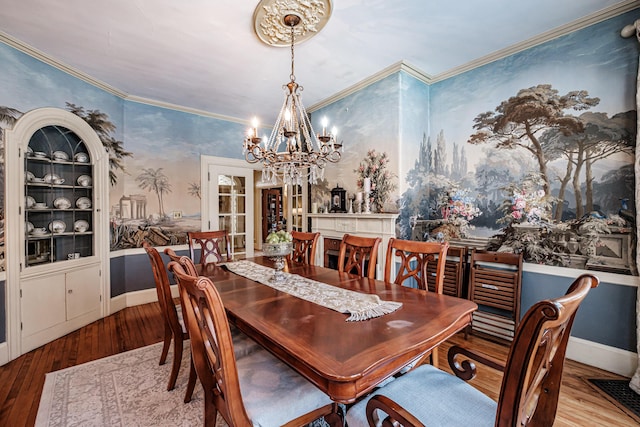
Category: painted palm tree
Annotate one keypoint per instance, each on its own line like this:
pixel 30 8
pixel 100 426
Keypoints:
pixel 194 190
pixel 101 124
pixel 155 180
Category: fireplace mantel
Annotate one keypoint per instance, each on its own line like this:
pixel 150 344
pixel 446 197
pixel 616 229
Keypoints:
pixel 336 225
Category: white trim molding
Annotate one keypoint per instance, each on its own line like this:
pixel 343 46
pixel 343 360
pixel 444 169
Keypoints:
pixel 612 359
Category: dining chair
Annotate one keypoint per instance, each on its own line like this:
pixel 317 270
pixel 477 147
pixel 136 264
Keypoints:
pixel 530 384
pixel 304 247
pixel 254 390
pixel 174 327
pixel 242 344
pixel 358 255
pixel 210 244
pixel 414 257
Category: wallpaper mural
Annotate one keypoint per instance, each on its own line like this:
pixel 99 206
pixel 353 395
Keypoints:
pixel 155 176
pixel 533 153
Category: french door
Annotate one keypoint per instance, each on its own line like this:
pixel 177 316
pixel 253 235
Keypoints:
pixel 229 202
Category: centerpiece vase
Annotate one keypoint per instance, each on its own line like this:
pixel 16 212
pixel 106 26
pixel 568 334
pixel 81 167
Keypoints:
pixel 278 253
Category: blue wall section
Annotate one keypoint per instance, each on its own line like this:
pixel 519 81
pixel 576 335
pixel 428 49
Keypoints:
pixel 132 273
pixel 607 316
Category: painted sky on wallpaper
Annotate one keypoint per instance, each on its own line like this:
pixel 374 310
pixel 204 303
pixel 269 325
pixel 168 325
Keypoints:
pixel 596 59
pixel 28 83
pixel 367 119
pixel 174 141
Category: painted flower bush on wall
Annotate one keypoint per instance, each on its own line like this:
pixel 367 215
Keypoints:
pixel 457 208
pixel 374 167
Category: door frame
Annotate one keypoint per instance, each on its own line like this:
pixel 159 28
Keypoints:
pixel 207 216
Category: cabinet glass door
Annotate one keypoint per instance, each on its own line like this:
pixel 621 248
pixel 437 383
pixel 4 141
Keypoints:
pixel 58 197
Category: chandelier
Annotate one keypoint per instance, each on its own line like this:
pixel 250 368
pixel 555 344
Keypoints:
pixel 293 151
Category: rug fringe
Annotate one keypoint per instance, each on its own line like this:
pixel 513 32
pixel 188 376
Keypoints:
pixel 382 309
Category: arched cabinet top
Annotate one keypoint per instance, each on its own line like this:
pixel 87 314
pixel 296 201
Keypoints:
pixel 28 124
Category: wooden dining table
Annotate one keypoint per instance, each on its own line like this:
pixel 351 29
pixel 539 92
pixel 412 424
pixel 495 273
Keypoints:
pixel 344 359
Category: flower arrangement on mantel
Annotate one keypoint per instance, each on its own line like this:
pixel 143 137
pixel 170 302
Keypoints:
pixel 374 167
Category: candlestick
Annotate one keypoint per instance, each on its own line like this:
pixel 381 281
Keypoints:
pixel 366 186
pixel 359 196
pixel 367 205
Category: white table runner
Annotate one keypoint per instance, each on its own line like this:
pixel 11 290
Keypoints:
pixel 360 306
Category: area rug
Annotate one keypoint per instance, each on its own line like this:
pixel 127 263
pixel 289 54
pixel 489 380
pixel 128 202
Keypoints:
pixel 620 394
pixel 127 389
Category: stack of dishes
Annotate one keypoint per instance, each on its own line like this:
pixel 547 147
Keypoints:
pixel 39 205
pixel 39 231
pixel 52 178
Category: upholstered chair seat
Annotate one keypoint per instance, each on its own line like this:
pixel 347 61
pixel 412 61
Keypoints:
pixel 532 374
pixel 436 397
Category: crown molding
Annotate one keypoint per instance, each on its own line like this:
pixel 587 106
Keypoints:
pixel 578 24
pixel 588 20
pixel 182 108
pixel 571 27
pixel 41 56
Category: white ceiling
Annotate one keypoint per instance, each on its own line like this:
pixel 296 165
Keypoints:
pixel 204 55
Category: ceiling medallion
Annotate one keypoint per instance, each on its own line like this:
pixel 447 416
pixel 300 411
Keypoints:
pixel 270 28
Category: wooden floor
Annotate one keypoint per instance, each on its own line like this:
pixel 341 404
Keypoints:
pixel 21 380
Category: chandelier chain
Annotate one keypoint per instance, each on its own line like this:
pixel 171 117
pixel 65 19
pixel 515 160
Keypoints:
pixel 292 76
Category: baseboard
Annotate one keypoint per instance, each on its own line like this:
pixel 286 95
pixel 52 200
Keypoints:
pixel 612 359
pixel 131 299
pixel 4 353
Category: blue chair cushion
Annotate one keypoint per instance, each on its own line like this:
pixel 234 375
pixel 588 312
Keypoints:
pixel 274 394
pixel 435 397
pixel 242 344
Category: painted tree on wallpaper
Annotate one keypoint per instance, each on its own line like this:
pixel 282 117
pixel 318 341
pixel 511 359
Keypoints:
pixel 157 181
pixel 101 124
pixel 539 188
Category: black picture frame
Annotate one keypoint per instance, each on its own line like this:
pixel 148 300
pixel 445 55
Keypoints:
pixel 338 200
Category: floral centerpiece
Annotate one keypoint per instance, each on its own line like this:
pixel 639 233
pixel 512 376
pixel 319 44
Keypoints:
pixel 374 167
pixel 277 246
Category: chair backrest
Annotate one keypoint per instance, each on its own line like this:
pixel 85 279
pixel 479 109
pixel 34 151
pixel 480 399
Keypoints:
pixel 163 289
pixel 211 348
pixel 533 372
pixel 210 244
pixel 304 247
pixel 454 272
pixel 185 262
pixel 414 257
pixel 495 280
pixel 358 255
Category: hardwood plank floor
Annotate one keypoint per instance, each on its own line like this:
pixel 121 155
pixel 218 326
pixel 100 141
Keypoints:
pixel 22 379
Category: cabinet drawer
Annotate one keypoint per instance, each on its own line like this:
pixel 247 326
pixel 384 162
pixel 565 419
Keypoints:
pixel 332 244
